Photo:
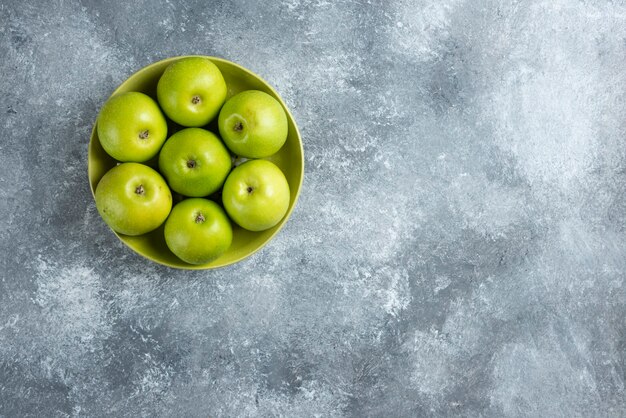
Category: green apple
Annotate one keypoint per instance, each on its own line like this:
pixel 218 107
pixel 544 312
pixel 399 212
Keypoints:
pixel 195 162
pixel 133 199
pixel 191 91
pixel 198 231
pixel 256 195
pixel 253 124
pixel 131 127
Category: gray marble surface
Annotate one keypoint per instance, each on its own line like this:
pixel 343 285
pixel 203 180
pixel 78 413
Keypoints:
pixel 459 247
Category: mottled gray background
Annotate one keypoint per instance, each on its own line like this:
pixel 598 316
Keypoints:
pixel 459 247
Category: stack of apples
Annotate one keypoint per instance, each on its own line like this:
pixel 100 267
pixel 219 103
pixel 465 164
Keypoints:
pixel 202 170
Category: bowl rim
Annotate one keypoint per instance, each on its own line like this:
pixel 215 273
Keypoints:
pixel 289 115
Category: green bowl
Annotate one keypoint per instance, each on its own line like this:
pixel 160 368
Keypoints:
pixel 290 159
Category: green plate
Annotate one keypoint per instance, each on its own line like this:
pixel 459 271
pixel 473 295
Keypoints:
pixel 290 159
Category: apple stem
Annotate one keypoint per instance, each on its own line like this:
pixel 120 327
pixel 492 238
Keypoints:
pixel 238 127
pixel 143 134
pixel 199 218
pixel 249 189
pixel 139 190
pixel 191 163
pixel 195 99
